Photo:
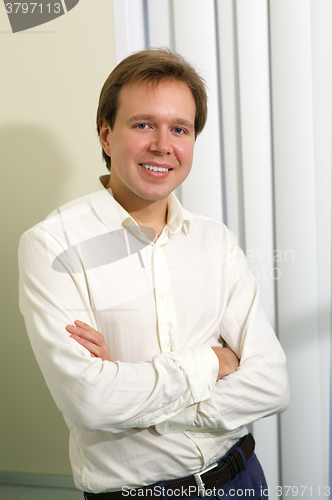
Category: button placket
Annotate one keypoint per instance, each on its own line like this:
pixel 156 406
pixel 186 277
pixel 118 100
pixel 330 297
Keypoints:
pixel 166 318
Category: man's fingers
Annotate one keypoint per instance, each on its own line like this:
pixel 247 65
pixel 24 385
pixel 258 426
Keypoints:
pixel 89 338
pixel 94 349
pixel 228 362
pixel 85 326
pixel 87 331
pixel 89 334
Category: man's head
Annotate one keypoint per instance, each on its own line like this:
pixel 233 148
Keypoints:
pixel 150 66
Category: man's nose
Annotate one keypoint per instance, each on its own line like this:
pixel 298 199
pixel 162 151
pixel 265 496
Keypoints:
pixel 161 142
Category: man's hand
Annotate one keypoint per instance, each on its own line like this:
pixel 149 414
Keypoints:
pixel 228 362
pixel 89 338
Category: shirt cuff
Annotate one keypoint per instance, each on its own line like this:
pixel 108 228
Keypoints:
pixel 201 366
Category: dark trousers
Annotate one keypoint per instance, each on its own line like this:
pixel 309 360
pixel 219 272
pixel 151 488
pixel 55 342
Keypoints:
pixel 250 483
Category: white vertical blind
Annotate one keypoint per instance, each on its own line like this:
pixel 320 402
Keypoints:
pixel 160 23
pixel 321 26
pixel 245 81
pixel 129 27
pixel 232 147
pixel 254 85
pixel 300 217
pixel 254 95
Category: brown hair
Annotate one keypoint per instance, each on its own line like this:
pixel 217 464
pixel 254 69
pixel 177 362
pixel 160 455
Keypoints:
pixel 150 65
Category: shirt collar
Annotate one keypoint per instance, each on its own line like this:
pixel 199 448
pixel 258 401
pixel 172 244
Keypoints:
pixel 177 217
pixel 113 215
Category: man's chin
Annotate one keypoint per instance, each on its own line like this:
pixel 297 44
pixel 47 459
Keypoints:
pixel 155 196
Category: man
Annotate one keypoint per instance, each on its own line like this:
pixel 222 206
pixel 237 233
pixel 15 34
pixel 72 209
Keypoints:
pixel 169 354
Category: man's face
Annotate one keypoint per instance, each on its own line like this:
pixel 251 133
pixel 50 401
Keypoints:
pixel 152 141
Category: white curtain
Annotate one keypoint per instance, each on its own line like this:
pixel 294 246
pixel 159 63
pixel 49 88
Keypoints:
pixel 301 90
pixel 263 166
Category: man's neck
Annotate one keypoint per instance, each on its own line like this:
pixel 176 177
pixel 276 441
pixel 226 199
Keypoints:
pixel 152 214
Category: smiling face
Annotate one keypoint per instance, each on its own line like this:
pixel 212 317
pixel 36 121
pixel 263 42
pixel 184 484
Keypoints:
pixel 152 141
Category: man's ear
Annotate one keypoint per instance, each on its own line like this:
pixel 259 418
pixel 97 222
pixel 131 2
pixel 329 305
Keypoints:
pixel 104 135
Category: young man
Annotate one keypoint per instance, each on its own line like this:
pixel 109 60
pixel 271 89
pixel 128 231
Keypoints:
pixel 144 317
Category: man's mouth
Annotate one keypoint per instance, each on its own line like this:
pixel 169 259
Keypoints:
pixel 155 169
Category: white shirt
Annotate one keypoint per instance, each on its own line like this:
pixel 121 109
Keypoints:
pixel 157 412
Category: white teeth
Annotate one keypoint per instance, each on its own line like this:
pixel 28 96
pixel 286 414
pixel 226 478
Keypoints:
pixel 155 169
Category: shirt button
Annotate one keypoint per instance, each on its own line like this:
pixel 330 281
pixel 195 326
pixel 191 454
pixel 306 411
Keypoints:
pixel 167 412
pixel 162 295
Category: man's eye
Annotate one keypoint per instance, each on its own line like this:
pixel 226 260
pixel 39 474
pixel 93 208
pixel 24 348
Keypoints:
pixel 178 130
pixel 142 125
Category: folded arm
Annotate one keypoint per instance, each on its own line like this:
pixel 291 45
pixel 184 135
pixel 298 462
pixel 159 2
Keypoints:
pixel 95 394
pixel 95 343
pixel 259 387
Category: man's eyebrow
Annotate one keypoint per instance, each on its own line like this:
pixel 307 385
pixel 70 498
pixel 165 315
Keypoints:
pixel 138 118
pixel 185 123
pixel 177 121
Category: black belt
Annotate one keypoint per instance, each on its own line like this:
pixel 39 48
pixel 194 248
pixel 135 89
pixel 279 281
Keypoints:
pixel 210 479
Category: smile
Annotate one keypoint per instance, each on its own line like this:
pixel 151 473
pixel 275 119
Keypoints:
pixel 155 169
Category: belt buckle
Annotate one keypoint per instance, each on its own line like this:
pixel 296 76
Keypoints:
pixel 198 480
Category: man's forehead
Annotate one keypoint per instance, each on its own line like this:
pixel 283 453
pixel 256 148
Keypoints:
pixel 150 89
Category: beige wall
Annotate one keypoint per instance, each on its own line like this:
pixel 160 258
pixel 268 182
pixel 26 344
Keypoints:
pixel 51 77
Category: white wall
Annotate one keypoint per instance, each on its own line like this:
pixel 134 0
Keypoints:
pixel 51 77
